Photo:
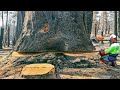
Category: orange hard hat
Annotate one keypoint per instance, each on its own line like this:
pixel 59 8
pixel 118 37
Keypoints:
pixel 100 38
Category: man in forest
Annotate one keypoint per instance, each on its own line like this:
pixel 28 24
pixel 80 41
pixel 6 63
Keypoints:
pixel 109 55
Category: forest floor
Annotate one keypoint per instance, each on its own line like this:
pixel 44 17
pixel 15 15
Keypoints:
pixel 97 70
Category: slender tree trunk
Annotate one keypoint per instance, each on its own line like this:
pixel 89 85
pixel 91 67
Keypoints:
pixel 93 25
pixel 101 21
pixel 102 24
pixel 102 35
pixel 1 36
pixel 105 21
pixel 109 30
pixel 0 39
pixel 2 32
pixel 106 30
pixel 119 23
pixel 115 23
pixel 13 35
pixel 6 31
pixel 95 30
pixel 98 26
pixel 7 21
pixel 2 19
pixel 8 37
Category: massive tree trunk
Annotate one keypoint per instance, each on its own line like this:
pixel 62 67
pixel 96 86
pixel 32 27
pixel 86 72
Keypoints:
pixel 54 31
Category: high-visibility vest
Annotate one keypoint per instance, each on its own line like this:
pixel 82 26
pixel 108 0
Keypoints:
pixel 113 49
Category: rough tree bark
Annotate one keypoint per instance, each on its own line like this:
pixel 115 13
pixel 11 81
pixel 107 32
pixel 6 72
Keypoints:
pixel 0 40
pixel 115 23
pixel 105 22
pixel 8 37
pixel 88 16
pixel 6 30
pixel 2 32
pixel 119 23
pixel 54 31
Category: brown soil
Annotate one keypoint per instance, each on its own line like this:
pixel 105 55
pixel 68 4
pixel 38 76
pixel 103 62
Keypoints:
pixel 9 71
pixel 103 72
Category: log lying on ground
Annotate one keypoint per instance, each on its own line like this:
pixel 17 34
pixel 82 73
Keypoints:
pixel 39 71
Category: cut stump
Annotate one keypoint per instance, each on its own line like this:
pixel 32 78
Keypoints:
pixel 39 71
pixel 118 62
pixel 21 54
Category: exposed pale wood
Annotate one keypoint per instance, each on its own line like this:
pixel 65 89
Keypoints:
pixel 18 54
pixel 39 71
pixel 77 77
pixel 118 62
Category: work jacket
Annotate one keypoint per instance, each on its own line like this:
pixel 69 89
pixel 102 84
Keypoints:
pixel 113 49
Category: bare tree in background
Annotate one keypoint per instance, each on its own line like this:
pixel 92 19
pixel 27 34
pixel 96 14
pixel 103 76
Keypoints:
pixel 6 31
pixel 1 32
pixel 118 23
pixel 111 21
pixel 98 25
pixel 8 37
pixel 105 22
pixel 115 23
pixel 93 32
pixel 11 27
